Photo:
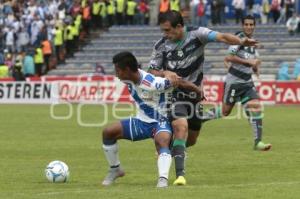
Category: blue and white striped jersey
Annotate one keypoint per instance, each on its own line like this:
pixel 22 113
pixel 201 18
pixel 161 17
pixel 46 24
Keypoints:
pixel 152 96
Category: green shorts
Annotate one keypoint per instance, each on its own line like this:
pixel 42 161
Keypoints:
pixel 239 92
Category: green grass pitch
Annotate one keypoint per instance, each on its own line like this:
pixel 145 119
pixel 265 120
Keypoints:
pixel 222 165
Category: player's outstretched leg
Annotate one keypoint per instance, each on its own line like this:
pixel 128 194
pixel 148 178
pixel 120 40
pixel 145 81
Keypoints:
pixel 111 151
pixel 211 114
pixel 253 111
pixel 115 171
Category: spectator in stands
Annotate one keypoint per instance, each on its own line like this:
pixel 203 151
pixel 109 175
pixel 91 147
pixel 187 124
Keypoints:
pixel 99 69
pixel 296 72
pixel 130 11
pixel 28 65
pixel 275 9
pixel 214 12
pixel 164 6
pixel 10 39
pixel 69 40
pixel 17 68
pixel 38 61
pixel 47 52
pixel 292 24
pixel 3 70
pixel 194 12
pixel 221 12
pixel 9 59
pixel 76 9
pixel 95 16
pixel 265 10
pixel 289 8
pixel 58 43
pixel 7 8
pixel 120 8
pixel 103 14
pixel 23 39
pixel 249 4
pixel 110 6
pixel 143 12
pixel 175 5
pixel 36 27
pixel 201 17
pixel 1 37
pixel 1 57
pixel 283 72
pixel 239 7
pixel 62 8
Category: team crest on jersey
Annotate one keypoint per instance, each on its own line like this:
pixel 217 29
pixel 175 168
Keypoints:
pixel 180 53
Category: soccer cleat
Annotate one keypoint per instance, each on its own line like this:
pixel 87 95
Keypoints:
pixel 180 181
pixel 162 182
pixel 260 146
pixel 112 175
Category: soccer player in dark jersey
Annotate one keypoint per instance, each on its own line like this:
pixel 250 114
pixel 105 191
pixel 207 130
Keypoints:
pixel 241 62
pixel 180 53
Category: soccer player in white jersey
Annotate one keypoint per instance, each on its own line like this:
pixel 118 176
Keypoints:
pixel 151 96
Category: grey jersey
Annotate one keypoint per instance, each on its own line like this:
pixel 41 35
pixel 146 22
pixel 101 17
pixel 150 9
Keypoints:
pixel 185 58
pixel 243 52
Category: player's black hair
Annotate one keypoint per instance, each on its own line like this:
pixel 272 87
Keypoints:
pixel 126 59
pixel 250 17
pixel 172 16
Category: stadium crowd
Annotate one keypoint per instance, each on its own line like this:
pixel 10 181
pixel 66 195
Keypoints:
pixel 38 34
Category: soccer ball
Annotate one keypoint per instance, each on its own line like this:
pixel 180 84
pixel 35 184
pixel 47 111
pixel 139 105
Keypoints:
pixel 57 171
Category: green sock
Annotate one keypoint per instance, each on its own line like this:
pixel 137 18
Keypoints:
pixel 179 156
pixel 255 119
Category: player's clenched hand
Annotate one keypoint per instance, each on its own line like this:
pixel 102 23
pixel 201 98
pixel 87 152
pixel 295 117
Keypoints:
pixel 173 77
pixel 254 62
pixel 249 42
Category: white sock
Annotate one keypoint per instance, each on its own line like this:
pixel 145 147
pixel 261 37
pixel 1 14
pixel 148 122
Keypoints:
pixel 164 163
pixel 112 154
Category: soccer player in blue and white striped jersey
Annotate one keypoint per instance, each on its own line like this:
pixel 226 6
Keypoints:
pixel 151 95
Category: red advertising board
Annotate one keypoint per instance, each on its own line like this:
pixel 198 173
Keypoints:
pixel 108 89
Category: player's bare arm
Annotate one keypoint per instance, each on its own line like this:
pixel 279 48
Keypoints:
pixel 247 62
pixel 173 77
pixel 192 87
pixel 235 40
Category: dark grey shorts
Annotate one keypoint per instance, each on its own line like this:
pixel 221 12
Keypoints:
pixel 239 92
pixel 192 111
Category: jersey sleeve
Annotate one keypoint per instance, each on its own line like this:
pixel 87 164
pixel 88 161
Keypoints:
pixel 150 82
pixel 156 60
pixel 206 35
